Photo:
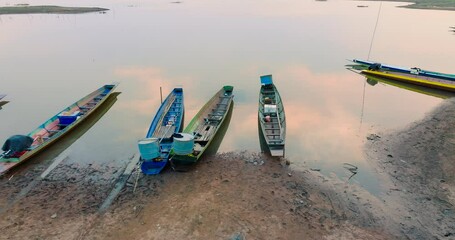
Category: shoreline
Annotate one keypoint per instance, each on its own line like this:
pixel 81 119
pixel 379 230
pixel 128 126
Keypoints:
pixel 48 9
pixel 421 4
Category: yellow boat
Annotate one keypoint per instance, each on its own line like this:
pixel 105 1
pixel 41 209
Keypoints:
pixel 414 79
pixel 373 80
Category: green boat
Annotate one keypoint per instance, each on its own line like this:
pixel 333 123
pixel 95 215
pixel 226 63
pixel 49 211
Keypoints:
pixel 271 117
pixel 190 145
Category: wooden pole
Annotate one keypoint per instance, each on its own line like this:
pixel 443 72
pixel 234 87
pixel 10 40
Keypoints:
pixel 161 95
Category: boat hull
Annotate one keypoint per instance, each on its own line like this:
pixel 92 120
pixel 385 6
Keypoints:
pixel 272 118
pixel 368 65
pixel 58 126
pixel 418 80
pixel 167 121
pixel 373 80
pixel 204 126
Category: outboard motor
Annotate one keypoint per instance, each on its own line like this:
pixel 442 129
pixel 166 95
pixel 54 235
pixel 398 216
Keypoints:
pixel 375 67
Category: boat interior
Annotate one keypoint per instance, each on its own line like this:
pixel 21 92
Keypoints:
pixel 210 120
pixel 271 115
pixel 58 123
pixel 167 126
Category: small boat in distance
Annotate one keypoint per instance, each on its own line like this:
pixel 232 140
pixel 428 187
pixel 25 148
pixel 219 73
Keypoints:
pixel 19 148
pixel 190 145
pixel 156 146
pixel 271 117
pixel 410 75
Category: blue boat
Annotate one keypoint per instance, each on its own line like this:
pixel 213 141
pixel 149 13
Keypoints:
pixel 414 71
pixel 157 144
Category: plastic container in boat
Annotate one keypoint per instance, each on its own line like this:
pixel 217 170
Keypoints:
pixel 149 148
pixel 183 143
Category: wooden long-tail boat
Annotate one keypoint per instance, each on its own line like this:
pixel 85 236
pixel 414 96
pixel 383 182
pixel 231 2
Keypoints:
pixel 167 121
pixel 20 148
pixel 369 65
pixel 409 75
pixel 373 80
pixel 202 129
pixel 271 117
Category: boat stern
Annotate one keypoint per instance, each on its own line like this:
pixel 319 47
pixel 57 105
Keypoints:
pixel 276 150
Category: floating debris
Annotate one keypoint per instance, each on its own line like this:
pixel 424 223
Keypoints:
pixel 373 137
pixel 352 168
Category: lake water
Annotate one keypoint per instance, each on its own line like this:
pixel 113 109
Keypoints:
pixel 49 61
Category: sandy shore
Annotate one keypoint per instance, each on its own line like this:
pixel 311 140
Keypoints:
pixel 247 195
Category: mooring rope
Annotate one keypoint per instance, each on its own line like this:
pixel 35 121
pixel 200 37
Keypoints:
pixel 374 31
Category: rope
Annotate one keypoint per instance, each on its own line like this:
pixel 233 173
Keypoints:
pixel 374 31
pixel 368 58
pixel 137 177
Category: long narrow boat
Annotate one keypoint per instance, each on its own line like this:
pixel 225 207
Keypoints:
pixel 19 148
pixel 369 65
pixel 271 117
pixel 156 146
pixel 412 75
pixel 373 80
pixel 190 146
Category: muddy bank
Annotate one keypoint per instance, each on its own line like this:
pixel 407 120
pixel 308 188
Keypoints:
pixel 239 195
pixel 418 165
pixel 243 195
pixel 247 195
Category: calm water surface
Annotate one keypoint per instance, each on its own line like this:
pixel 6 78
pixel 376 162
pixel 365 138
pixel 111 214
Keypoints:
pixel 49 61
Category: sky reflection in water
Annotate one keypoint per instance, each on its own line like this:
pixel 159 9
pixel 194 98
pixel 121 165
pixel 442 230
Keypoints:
pixel 49 61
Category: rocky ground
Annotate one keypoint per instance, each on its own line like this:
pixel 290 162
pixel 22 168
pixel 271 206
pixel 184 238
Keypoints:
pixel 247 195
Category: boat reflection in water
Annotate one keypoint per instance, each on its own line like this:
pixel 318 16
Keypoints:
pixel 371 80
pixel 2 103
pixel 54 150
